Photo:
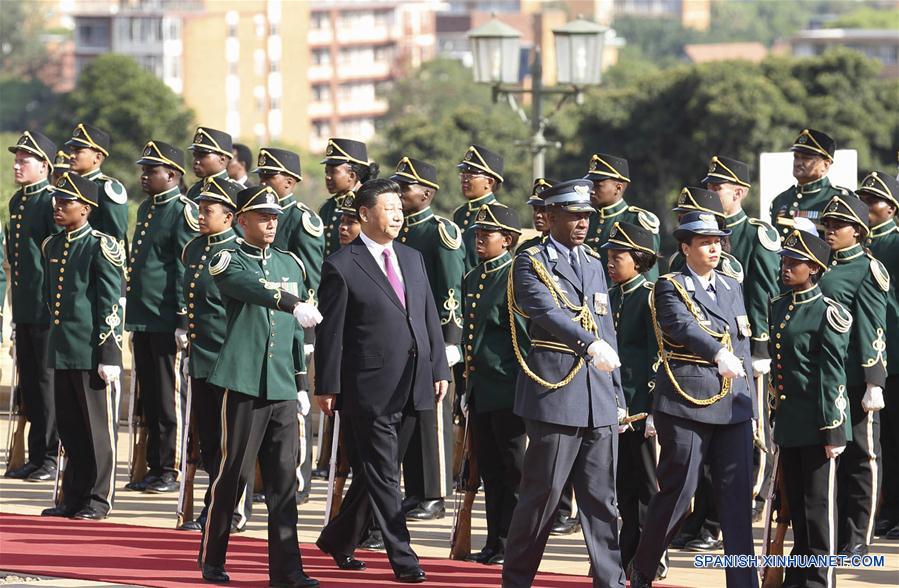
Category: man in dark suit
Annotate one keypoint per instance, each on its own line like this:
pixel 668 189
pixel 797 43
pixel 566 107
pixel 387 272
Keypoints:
pixel 380 358
pixel 568 392
pixel 703 406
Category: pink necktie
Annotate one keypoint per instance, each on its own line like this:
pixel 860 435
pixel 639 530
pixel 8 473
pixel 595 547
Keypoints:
pixel 393 278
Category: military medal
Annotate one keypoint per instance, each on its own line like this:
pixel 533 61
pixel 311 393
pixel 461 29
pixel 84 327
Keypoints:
pixel 601 303
pixel 743 324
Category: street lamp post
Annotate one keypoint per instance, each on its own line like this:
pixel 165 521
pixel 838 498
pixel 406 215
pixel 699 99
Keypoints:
pixel 579 46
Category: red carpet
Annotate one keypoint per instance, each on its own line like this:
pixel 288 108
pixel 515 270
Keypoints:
pixel 162 557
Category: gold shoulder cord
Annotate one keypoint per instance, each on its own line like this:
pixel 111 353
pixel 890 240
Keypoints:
pixel 584 318
pixel 724 338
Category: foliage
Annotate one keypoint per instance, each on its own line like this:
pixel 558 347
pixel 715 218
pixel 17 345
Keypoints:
pixel 22 49
pixel 866 18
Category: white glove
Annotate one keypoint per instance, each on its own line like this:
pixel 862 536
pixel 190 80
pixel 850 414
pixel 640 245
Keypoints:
pixel 650 430
pixel 453 355
pixel 181 338
pixel 729 365
pixel 833 451
pixel 109 373
pixel 760 366
pixel 308 348
pixel 873 398
pixel 303 404
pixel 602 356
pixel 622 414
pixel 307 315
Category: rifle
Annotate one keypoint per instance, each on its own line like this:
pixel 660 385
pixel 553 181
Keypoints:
pixel 185 509
pixel 332 471
pixel 58 494
pixel 772 577
pixel 466 485
pixel 15 431
pixel 137 435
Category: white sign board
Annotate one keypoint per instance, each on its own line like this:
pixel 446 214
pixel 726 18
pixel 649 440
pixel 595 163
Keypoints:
pixel 776 175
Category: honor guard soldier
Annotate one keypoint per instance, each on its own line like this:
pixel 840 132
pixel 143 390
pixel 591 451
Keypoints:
pixel 346 168
pixel 880 192
pixel 703 405
pixel 157 312
pixel 609 175
pixel 538 211
pixel 490 373
pixel 481 175
pixel 631 254
pixel 349 219
pixel 755 244
pixel 260 288
pixel 568 392
pixel 206 331
pixel 90 148
pixel 812 157
pixel 85 348
pixel 426 466
pixel 61 163
pixel 211 153
pixel 810 337
pixel 30 222
pixel 300 231
pixel 859 282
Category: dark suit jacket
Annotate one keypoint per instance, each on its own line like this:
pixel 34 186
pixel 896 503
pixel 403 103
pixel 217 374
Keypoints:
pixel 697 380
pixel 369 350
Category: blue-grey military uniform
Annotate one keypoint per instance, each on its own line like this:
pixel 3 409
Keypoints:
pixel 570 408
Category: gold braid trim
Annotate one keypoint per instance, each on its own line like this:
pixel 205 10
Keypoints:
pixel 664 355
pixel 584 316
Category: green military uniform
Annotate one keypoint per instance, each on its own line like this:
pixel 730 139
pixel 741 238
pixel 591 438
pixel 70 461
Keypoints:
pixel 30 222
pixel 859 282
pixel 209 140
pixel 809 337
pixel 339 152
pixel 85 271
pixel 535 200
pixel 464 217
pixel 197 187
pixel 636 342
pixel 808 200
pixel 491 369
pixel 601 225
pixel 329 214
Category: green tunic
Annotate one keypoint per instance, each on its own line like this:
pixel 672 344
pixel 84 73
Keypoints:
pixel 440 243
pixel 884 245
pixel 110 216
pixel 464 216
pixel 30 222
pixel 860 283
pixel 85 272
pixel 262 354
pixel 155 291
pixel 755 244
pixel 491 367
pixel 330 216
pixel 809 336
pixel 605 218
pixel 637 346
pixel 300 231
pixel 806 201
pixel 205 309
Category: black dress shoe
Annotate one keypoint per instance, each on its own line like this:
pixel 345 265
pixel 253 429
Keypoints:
pixel 236 529
pixel 854 549
pixel 22 472
pixel 638 580
pixel 191 526
pixel 89 514
pixel 483 556
pixel 142 485
pixel 166 483
pixel 320 474
pixel 893 533
pixel 883 526
pixel 705 542
pixel 565 526
pixel 498 559
pixel 42 474
pixel 59 511
pixel 215 574
pixel 343 561
pixel 680 540
pixel 374 542
pixel 427 511
pixel 413 576
pixel 300 580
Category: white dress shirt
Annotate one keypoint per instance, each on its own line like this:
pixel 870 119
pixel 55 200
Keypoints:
pixel 377 251
pixel 566 252
pixel 704 283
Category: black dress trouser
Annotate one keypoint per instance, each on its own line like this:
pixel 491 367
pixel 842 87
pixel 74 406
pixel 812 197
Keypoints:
pixel 36 389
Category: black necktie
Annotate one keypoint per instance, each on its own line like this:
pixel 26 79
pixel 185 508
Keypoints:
pixel 573 260
pixel 711 290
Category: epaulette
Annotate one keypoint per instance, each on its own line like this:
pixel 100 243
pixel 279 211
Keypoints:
pixel 730 267
pixel 190 207
pixel 838 316
pixel 591 252
pixel 669 276
pixel 649 220
pixel 114 189
pixel 110 248
pixel 445 228
pixel 532 250
pixel 767 234
pixel 220 262
pixel 186 247
pixel 881 276
pixel 312 223
pixel 648 285
pixel 295 258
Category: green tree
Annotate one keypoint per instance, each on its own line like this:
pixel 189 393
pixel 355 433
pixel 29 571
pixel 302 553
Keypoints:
pixel 22 49
pixel 866 18
pixel 117 95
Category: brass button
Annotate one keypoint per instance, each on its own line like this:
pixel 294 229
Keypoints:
pixel 783 397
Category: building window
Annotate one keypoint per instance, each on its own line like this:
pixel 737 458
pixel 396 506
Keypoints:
pixel 273 29
pixel 320 21
pixel 274 67
pixel 274 103
pixel 321 128
pixel 321 92
pixel 259 21
pixel 92 33
pixel 321 56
